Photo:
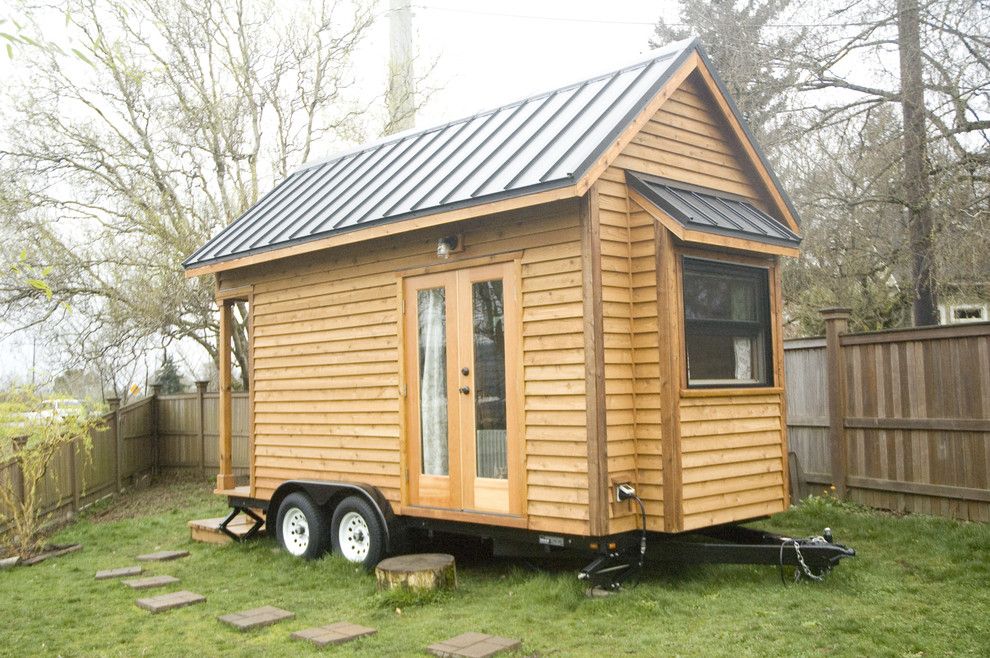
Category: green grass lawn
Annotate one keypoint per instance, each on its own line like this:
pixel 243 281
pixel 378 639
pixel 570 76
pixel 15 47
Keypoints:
pixel 920 586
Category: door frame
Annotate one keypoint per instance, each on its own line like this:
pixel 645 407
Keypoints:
pixel 514 393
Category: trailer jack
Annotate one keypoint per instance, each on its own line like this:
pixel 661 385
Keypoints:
pixel 812 558
pixel 252 531
pixel 607 572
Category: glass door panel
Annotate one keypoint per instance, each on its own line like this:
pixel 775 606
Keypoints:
pixel 431 310
pixel 488 314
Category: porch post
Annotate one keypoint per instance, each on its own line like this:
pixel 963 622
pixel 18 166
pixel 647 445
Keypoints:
pixel 225 479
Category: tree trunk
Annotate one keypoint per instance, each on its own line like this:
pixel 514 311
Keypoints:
pixel 916 184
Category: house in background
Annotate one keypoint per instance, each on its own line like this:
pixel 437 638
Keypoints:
pixel 489 325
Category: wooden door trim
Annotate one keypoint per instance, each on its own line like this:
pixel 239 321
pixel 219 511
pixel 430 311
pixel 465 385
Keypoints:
pixel 462 264
pixel 457 278
pixel 510 273
pixel 412 439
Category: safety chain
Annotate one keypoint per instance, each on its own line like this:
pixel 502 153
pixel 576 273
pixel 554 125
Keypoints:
pixel 803 568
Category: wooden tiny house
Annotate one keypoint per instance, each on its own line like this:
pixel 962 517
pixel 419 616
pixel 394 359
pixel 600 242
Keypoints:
pixel 496 321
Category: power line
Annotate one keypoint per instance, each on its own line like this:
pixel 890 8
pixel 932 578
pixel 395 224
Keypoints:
pixel 567 19
pixel 599 21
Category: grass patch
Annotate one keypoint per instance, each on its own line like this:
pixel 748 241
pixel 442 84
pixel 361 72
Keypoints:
pixel 918 587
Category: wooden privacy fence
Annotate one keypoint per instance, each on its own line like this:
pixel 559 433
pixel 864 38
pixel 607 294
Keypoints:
pixel 119 453
pixel 159 432
pixel 894 419
pixel 187 431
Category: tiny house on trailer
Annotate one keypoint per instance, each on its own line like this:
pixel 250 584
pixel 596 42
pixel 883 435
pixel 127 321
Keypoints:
pixel 488 326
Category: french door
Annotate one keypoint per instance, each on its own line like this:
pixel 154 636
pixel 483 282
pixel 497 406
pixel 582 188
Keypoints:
pixel 461 340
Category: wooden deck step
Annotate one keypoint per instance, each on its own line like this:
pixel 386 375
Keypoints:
pixel 208 530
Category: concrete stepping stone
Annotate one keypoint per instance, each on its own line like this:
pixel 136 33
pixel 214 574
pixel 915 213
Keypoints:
pixel 107 574
pixel 162 556
pixel 473 645
pixel 256 617
pixel 337 633
pixel 169 601
pixel 150 581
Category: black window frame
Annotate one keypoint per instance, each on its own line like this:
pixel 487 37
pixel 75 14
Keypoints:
pixel 761 276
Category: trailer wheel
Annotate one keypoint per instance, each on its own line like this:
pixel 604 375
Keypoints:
pixel 357 533
pixel 301 527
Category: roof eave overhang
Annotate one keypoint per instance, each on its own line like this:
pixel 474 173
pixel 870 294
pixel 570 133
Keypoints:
pixel 557 191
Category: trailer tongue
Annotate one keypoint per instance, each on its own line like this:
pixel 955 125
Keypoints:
pixel 811 558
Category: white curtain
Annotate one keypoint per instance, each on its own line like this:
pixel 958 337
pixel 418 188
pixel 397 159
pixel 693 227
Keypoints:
pixel 743 348
pixel 433 383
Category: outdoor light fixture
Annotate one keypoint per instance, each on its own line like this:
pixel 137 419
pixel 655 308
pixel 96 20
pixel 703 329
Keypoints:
pixel 447 245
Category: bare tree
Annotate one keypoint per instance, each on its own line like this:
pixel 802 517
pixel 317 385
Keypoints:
pixel 751 54
pixel 163 124
pixel 917 189
pixel 932 61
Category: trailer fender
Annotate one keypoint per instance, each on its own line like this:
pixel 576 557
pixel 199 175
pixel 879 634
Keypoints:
pixel 328 494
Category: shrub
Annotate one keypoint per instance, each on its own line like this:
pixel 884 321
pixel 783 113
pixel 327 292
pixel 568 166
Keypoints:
pixel 32 442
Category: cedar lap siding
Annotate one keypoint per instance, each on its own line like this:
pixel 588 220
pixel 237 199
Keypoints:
pixel 601 386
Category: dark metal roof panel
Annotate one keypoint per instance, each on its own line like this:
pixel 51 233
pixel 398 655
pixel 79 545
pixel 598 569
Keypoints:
pixel 541 142
pixel 712 211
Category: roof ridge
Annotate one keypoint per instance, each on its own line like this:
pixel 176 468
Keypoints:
pixel 666 52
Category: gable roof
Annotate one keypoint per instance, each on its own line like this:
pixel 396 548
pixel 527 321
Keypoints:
pixel 712 212
pixel 541 144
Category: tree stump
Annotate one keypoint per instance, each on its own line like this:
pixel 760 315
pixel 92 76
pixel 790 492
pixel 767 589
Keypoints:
pixel 419 572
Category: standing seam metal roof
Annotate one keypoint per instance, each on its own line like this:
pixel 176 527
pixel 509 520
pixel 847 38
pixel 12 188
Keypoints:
pixel 539 143
pixel 710 211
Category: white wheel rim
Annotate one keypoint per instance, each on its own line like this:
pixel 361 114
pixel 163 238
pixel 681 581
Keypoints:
pixel 295 531
pixel 353 537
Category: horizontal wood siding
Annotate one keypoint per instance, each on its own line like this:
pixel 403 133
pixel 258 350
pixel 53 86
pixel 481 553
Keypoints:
pixel 631 354
pixel 556 435
pixel 326 350
pixel 732 458
pixel 688 141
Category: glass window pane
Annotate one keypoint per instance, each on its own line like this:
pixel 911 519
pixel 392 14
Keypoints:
pixel 431 307
pixel 489 379
pixel 715 358
pixel 727 323
pixel 718 296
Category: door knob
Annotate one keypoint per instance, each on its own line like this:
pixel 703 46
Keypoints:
pixel 464 389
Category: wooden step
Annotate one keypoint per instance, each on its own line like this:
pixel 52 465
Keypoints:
pixel 208 530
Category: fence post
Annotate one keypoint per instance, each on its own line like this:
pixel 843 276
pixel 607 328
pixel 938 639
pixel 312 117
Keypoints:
pixel 74 475
pixel 19 443
pixel 836 324
pixel 201 392
pixel 156 390
pixel 118 447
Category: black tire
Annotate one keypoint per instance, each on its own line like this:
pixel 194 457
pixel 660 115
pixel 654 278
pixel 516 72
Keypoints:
pixel 363 540
pixel 306 525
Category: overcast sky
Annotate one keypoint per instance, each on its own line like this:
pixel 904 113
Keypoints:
pixel 487 54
